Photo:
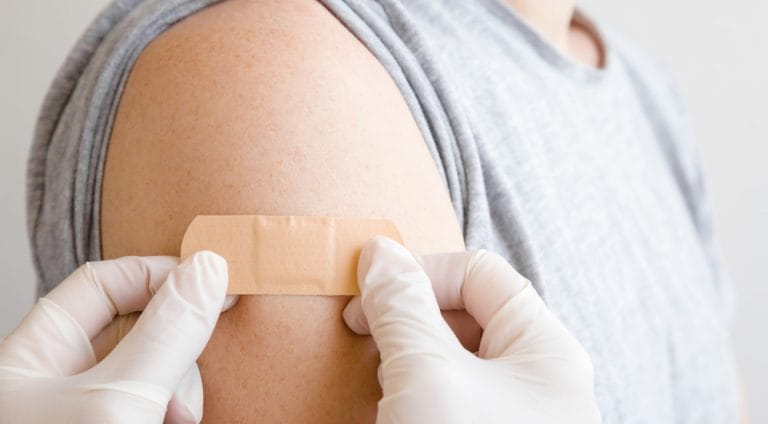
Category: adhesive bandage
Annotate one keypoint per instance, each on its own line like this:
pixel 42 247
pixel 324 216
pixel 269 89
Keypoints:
pixel 297 255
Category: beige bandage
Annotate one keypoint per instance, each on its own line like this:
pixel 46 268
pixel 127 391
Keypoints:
pixel 299 255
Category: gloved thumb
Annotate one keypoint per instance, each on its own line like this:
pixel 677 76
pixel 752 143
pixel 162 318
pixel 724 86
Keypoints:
pixel 398 302
pixel 172 331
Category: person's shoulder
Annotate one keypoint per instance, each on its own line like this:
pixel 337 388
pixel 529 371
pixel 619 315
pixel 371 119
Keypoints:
pixel 655 81
pixel 265 107
pixel 660 93
pixel 275 47
pixel 645 64
pixel 267 29
pixel 235 67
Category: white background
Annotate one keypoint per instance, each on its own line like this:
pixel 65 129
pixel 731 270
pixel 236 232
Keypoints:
pixel 719 51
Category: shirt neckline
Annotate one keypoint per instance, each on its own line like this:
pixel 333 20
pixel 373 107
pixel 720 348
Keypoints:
pixel 558 60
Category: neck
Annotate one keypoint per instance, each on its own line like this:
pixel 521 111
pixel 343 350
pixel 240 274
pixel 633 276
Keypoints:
pixel 551 18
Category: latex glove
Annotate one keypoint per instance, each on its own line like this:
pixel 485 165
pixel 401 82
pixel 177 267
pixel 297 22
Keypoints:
pixel 529 368
pixel 51 368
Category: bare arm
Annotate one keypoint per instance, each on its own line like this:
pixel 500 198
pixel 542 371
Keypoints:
pixel 270 108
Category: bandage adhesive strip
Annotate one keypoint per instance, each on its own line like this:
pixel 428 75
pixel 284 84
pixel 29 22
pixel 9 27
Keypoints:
pixel 292 255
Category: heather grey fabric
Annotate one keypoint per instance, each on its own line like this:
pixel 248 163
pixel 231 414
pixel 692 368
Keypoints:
pixel 587 180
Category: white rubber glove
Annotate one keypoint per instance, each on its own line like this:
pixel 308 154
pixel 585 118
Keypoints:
pixel 529 369
pixel 51 366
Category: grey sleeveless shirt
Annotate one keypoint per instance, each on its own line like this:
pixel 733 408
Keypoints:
pixel 586 179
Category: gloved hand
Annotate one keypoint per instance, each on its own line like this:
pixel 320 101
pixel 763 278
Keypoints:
pixel 51 366
pixel 529 368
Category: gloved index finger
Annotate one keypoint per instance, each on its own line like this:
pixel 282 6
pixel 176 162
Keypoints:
pixel 397 300
pixel 99 290
pixel 478 281
pixel 55 338
pixel 173 329
pixel 446 273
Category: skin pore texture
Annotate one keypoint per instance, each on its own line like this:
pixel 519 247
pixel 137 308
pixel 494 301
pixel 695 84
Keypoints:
pixel 274 107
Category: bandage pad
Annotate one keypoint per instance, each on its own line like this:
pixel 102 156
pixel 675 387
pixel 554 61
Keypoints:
pixel 294 255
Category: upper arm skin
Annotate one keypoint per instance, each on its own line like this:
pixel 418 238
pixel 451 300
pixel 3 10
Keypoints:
pixel 270 107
